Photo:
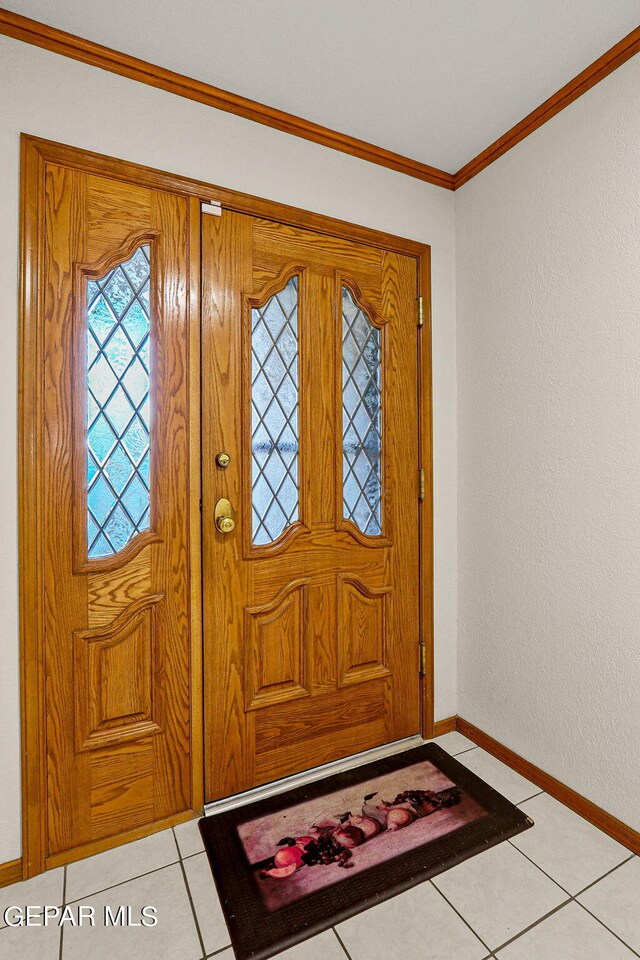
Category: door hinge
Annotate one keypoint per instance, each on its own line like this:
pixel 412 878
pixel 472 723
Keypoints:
pixel 422 652
pixel 421 481
pixel 420 311
pixel 212 207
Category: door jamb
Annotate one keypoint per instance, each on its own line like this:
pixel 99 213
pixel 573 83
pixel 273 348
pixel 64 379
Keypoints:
pixel 35 154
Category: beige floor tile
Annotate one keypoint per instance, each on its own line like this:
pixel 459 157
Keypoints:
pixel 30 943
pixel 572 851
pixel 616 901
pixel 189 839
pixel 207 905
pixel 122 863
pixel 499 893
pixel 454 743
pixel 498 775
pixel 173 938
pixel 323 947
pixel 569 934
pixel 416 925
pixel 45 890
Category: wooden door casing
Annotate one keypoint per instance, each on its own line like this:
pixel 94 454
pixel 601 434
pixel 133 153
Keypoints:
pixel 37 155
pixel 311 641
pixel 116 629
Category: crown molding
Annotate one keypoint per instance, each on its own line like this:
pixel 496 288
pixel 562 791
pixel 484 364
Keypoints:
pixel 50 38
pixel 598 70
pixel 68 45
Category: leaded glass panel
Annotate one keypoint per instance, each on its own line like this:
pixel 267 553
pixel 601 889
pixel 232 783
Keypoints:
pixel 118 483
pixel 274 414
pixel 361 417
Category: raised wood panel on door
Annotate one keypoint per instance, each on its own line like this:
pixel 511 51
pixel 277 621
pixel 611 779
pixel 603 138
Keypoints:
pixel 116 629
pixel 311 641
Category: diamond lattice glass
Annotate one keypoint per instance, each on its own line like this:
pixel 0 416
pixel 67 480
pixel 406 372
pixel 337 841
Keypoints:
pixel 118 482
pixel 361 417
pixel 274 414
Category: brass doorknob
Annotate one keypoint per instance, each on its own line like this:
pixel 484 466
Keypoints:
pixel 223 516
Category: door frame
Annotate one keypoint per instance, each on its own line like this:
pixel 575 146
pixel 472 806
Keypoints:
pixel 35 154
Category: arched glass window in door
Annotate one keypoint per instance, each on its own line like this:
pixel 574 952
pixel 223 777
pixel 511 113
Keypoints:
pixel 118 417
pixel 274 415
pixel 361 417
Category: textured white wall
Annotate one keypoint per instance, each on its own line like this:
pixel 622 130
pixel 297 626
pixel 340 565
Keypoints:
pixel 53 97
pixel 548 320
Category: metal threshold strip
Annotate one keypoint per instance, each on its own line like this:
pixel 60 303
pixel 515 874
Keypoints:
pixel 308 776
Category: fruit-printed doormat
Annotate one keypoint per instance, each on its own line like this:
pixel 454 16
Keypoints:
pixel 290 866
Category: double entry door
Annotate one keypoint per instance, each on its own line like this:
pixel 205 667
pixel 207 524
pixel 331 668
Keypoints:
pixel 219 490
pixel 310 454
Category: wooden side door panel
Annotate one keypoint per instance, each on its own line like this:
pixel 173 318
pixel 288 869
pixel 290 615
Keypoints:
pixel 116 627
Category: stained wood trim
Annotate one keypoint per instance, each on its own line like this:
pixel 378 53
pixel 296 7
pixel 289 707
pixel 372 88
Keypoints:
pixel 425 413
pixel 30 419
pixel 67 44
pixel 598 70
pixel 35 153
pixel 108 843
pixel 50 38
pixel 609 824
pixel 441 727
pixel 195 512
pixel 10 872
pixel 136 173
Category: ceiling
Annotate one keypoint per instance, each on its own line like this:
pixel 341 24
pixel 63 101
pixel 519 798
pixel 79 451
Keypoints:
pixel 434 80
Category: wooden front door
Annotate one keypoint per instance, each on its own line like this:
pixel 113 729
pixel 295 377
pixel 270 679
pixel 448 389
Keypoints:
pixel 113 487
pixel 310 450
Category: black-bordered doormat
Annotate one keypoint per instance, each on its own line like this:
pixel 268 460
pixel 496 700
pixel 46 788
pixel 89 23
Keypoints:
pixel 291 865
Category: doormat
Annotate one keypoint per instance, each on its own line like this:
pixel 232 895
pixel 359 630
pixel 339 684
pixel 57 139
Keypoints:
pixel 291 865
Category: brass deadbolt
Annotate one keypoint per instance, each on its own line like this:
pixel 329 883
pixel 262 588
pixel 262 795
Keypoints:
pixel 223 460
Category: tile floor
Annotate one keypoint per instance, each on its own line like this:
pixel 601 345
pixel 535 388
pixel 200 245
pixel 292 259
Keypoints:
pixel 560 891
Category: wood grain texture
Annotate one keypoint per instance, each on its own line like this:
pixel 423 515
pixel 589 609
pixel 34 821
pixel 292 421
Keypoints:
pixel 119 589
pixel 50 38
pixel 598 70
pixel 448 725
pixel 609 824
pixel 196 692
pixel 127 835
pixel 140 175
pixel 114 667
pixel 10 872
pixel 30 429
pixel 269 666
pixel 425 506
pixel 106 708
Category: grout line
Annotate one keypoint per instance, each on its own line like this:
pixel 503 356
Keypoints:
pixel 138 876
pixel 534 924
pixel 216 953
pixel 612 932
pixel 572 899
pixel 64 900
pixel 466 923
pixel 186 885
pixel 547 875
pixel 608 873
pixel 339 939
pixel 538 794
pixel 466 750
